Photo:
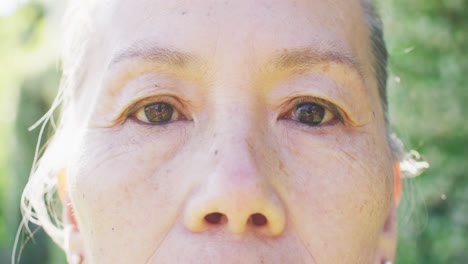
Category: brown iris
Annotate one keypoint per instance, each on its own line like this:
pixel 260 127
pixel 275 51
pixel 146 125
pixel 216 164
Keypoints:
pixel 159 113
pixel 310 113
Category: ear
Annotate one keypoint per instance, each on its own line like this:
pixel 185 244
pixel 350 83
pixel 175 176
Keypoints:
pixel 388 239
pixel 397 183
pixel 73 243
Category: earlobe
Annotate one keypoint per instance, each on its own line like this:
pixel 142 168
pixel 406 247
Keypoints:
pixel 387 244
pixel 73 243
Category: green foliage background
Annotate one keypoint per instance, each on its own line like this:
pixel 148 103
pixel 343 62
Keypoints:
pixel 428 43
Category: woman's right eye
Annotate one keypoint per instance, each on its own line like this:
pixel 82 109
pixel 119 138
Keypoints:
pixel 158 113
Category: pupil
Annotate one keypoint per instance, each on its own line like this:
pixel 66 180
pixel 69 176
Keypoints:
pixel 310 113
pixel 159 113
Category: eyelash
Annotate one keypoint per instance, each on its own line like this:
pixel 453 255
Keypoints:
pixel 133 110
pixel 296 102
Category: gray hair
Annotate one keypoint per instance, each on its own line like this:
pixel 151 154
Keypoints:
pixel 380 55
pixel 379 50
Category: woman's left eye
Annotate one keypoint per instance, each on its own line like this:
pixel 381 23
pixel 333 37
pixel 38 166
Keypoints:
pixel 158 113
pixel 312 114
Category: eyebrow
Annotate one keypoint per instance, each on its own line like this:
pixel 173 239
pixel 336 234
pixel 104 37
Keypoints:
pixel 146 51
pixel 306 58
pixel 296 58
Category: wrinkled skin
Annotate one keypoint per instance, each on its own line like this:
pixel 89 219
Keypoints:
pixel 140 192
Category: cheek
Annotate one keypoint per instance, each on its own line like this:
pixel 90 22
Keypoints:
pixel 122 187
pixel 340 188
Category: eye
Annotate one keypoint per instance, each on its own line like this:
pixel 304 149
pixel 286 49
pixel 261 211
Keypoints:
pixel 314 113
pixel 311 114
pixel 158 113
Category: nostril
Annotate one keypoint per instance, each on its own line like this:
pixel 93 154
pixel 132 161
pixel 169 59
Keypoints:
pixel 259 219
pixel 213 218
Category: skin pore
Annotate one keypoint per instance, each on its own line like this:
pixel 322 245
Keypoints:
pixel 234 175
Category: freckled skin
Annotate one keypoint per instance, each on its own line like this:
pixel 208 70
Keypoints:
pixel 141 192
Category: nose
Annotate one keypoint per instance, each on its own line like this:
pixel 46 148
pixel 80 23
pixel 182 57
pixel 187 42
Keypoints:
pixel 235 195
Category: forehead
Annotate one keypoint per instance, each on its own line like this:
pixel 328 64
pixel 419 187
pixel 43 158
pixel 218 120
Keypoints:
pixel 243 26
pixel 233 38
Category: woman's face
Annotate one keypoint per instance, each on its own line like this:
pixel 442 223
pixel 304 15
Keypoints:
pixel 230 132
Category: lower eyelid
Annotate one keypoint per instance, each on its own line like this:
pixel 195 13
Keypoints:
pixel 322 128
pixel 148 126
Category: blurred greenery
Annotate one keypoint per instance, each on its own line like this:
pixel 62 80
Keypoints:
pixel 427 41
pixel 428 93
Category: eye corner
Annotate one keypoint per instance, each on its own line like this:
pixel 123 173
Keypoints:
pixel 118 120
